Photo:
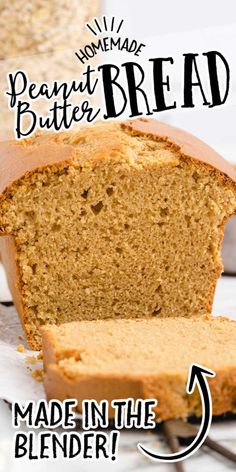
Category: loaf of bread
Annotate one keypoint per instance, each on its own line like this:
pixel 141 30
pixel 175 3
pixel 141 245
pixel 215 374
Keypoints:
pixel 149 358
pixel 45 26
pixel 112 221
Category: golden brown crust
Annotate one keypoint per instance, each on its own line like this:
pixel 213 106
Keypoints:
pixel 20 158
pixel 9 260
pixel 170 391
pixel 60 387
pixel 186 143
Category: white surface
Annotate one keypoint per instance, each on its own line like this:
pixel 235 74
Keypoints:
pixel 158 17
pixel 17 383
pixel 225 297
pixel 4 290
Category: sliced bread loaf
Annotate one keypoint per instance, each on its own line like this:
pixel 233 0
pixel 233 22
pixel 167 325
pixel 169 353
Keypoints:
pixel 147 358
pixel 114 220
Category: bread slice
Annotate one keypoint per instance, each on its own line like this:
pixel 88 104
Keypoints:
pixel 120 220
pixel 147 358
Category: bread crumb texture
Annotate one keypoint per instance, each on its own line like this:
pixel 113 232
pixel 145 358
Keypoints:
pixel 31 360
pixel 20 348
pixel 40 356
pixel 45 25
pixel 37 375
pixel 146 358
pixel 129 227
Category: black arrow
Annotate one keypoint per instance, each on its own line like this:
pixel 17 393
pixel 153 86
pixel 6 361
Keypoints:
pixel 197 375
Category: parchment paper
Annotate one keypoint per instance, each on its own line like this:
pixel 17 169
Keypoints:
pixel 16 381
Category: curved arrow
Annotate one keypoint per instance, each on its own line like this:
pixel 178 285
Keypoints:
pixel 197 375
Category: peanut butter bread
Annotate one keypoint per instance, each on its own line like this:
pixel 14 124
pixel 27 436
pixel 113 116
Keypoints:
pixel 45 25
pixel 116 220
pixel 146 358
